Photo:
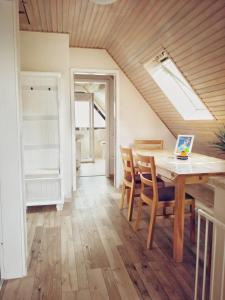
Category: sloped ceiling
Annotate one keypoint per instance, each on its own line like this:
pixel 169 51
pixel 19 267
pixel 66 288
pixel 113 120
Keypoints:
pixel 134 31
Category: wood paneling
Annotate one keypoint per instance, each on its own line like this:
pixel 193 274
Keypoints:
pixel 192 31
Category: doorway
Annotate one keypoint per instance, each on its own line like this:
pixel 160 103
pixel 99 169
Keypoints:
pixel 94 125
pixel 91 128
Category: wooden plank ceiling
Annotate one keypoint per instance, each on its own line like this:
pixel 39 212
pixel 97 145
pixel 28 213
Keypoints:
pixel 134 31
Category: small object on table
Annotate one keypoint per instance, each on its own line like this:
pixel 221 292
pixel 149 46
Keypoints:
pixel 183 155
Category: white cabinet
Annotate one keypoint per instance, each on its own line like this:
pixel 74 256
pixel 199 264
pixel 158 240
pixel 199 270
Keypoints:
pixel 41 138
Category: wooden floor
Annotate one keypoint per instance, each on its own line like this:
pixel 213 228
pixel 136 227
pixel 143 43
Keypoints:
pixel 90 251
pixel 96 168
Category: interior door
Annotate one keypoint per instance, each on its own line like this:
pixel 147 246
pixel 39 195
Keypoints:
pixel 84 123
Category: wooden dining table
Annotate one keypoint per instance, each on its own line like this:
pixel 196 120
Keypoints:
pixel 195 170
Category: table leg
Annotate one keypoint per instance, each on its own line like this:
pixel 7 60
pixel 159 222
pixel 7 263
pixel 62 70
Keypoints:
pixel 178 233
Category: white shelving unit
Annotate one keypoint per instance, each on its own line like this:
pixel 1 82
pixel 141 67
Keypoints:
pixel 41 138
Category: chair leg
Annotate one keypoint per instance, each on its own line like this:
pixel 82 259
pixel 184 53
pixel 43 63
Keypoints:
pixel 151 226
pixel 128 189
pixel 131 204
pixel 122 196
pixel 192 223
pixel 137 222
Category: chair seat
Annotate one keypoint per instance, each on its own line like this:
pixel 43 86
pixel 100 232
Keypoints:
pixel 147 176
pixel 165 193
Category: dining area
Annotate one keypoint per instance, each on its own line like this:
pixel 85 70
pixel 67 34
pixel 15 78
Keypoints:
pixel 163 185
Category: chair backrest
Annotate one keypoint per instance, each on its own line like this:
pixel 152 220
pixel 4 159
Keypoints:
pixel 146 166
pixel 128 166
pixel 148 144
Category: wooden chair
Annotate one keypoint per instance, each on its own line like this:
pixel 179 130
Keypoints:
pixel 159 198
pixel 148 144
pixel 145 145
pixel 128 180
pixel 131 180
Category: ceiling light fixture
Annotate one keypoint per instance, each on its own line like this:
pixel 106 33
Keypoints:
pixel 103 2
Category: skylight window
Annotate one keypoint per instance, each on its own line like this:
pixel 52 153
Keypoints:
pixel 173 84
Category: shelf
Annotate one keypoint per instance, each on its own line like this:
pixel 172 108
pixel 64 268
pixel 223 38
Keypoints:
pixel 41 177
pixel 40 202
pixel 41 147
pixel 41 137
pixel 40 117
pixel 45 174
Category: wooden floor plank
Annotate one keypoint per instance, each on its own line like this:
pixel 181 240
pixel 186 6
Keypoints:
pixel 155 289
pixel 167 280
pixel 31 227
pixel 124 284
pixel 83 295
pixel 47 283
pixel 69 273
pixel 110 283
pixel 34 252
pixel 133 273
pixel 69 295
pixel 97 284
pixel 92 246
pixel 79 255
pixel 109 239
pixel 19 289
pixel 39 288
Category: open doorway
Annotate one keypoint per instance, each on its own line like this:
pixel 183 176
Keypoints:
pixel 91 127
pixel 94 125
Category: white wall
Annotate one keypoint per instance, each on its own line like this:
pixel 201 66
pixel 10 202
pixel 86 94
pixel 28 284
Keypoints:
pixel 135 117
pixel 12 208
pixel 49 52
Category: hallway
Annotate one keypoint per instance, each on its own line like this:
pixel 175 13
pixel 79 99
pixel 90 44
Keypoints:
pixel 90 251
pixel 92 169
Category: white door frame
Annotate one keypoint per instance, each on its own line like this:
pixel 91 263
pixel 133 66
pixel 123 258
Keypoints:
pixel 103 72
pixel 107 111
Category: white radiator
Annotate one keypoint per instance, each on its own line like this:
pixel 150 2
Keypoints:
pixel 218 233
